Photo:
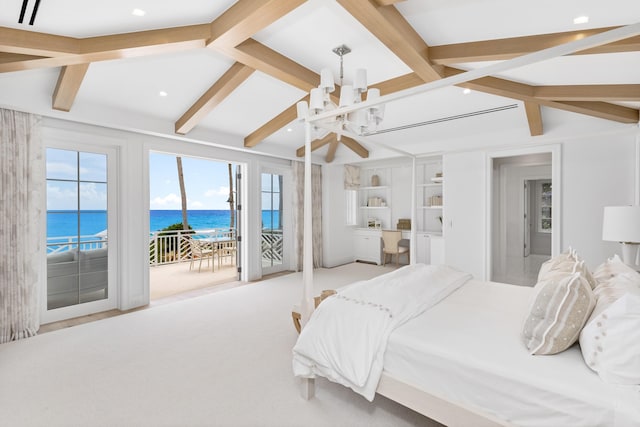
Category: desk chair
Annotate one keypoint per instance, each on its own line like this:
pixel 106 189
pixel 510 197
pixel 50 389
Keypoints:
pixel 390 240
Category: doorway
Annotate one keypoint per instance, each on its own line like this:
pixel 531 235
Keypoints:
pixel 272 236
pixel 522 204
pixel 203 254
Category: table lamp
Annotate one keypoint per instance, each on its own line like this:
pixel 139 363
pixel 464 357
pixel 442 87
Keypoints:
pixel 622 224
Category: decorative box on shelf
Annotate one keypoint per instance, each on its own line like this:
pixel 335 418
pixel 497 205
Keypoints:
pixel 404 224
pixel 374 223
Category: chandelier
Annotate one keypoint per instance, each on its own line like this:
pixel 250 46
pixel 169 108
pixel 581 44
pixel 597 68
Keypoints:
pixel 320 101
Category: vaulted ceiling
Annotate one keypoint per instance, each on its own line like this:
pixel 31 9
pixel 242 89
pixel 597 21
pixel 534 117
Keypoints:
pixel 231 72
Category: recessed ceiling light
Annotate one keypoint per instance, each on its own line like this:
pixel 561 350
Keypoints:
pixel 289 130
pixel 581 20
pixel 466 91
pixel 163 93
pixel 138 12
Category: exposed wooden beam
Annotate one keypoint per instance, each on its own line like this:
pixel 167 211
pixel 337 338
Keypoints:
pixel 629 92
pixel 69 82
pixel 331 152
pixel 601 110
pixel 36 44
pixel 16 57
pixel 388 2
pixel 502 49
pixel 355 146
pixel 247 17
pixel 392 29
pixel 79 51
pixel 317 144
pixel 534 117
pixel 273 125
pixel 268 61
pixel 523 92
pixel 222 88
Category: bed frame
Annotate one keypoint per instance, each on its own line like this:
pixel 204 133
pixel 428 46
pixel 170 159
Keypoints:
pixel 431 406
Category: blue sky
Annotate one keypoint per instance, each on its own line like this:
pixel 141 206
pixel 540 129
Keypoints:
pixel 206 182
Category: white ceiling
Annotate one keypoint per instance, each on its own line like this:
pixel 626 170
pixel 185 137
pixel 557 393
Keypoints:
pixel 124 93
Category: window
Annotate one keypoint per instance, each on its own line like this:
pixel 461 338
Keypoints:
pixel 77 262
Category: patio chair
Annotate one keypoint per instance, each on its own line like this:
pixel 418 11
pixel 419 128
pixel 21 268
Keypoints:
pixel 227 249
pixel 391 240
pixel 200 251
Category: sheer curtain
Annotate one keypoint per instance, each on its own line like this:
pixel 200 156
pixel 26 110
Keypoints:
pixel 21 187
pixel 298 213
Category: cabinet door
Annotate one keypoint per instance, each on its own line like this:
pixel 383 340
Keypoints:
pixel 422 248
pixel 436 246
pixel 367 247
pixel 465 211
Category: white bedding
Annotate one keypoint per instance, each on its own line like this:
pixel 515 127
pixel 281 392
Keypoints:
pixel 468 350
pixel 346 337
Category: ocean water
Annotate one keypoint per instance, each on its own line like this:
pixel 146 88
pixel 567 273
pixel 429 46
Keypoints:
pixel 65 223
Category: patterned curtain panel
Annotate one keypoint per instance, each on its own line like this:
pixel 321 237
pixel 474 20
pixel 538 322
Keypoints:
pixel 351 177
pixel 298 213
pixel 21 193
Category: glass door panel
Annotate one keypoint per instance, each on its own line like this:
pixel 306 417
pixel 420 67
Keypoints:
pixel 272 231
pixel 77 260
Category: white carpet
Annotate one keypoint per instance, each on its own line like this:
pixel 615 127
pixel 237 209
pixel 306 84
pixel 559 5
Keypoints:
pixel 217 360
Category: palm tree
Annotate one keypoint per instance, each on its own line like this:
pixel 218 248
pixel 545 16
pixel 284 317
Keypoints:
pixel 183 195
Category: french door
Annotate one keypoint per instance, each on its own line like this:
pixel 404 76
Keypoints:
pixel 81 232
pixel 272 236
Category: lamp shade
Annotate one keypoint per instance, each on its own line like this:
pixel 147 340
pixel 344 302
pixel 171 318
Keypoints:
pixel 621 224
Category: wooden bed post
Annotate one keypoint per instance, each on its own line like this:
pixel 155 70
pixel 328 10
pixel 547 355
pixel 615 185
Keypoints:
pixel 308 388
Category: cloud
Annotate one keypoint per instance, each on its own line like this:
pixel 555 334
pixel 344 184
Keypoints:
pixel 173 202
pixel 170 201
pixel 221 191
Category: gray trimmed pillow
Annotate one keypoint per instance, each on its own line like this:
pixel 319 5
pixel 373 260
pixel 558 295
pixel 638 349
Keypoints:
pixel 560 308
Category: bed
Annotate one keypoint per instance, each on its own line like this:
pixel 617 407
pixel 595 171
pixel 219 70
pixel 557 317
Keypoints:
pixel 462 361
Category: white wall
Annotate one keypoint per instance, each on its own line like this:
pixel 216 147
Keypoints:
pixel 337 248
pixel 133 174
pixel 596 172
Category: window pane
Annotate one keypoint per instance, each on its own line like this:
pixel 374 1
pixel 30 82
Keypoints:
pixel 62 196
pixel 266 201
pixel 62 164
pixel 93 167
pixel 93 196
pixel 266 182
pixel 61 224
pixel 93 222
pixel 276 183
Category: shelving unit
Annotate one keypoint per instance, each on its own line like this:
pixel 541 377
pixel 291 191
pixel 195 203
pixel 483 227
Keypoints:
pixel 374 200
pixel 430 199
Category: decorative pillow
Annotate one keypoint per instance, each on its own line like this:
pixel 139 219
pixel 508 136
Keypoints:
pixel 555 262
pixel 611 268
pixel 560 308
pixel 566 263
pixel 610 343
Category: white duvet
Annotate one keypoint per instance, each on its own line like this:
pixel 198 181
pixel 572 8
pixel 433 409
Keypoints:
pixel 346 337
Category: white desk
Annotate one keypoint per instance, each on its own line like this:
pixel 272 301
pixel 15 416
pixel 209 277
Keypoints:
pixel 368 245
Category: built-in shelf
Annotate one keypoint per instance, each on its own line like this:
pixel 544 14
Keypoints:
pixel 374 207
pixel 433 185
pixel 378 187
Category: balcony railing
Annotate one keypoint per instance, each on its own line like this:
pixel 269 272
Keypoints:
pixel 168 247
pixel 67 243
pixel 271 245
